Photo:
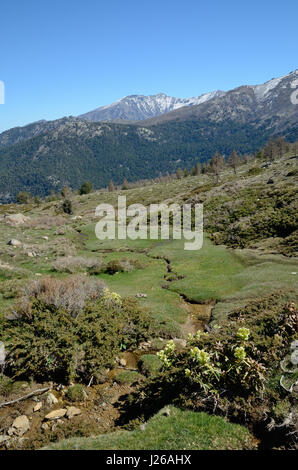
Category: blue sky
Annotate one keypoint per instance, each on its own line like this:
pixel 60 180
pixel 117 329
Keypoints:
pixel 61 58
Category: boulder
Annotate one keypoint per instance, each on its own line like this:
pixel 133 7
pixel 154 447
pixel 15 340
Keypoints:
pixel 51 399
pixel 14 242
pixel 19 426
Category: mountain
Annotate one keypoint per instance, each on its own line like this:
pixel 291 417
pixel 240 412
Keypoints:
pixel 45 156
pixel 19 134
pixel 139 107
pixel 271 102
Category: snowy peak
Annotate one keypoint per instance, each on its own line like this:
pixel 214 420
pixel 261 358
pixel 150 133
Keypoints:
pixel 139 107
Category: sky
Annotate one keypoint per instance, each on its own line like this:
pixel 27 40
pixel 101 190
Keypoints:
pixel 67 57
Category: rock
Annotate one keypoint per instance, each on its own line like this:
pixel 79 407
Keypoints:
pixel 14 242
pixel 45 237
pixel 3 439
pixel 44 426
pixel 143 427
pixel 140 295
pixel 72 411
pixel 38 406
pixel 123 362
pixel 294 357
pixel 2 354
pixel 166 411
pixel 51 399
pixel 31 254
pixel 16 219
pixel 179 343
pixel 294 344
pixel 56 414
pixel 20 425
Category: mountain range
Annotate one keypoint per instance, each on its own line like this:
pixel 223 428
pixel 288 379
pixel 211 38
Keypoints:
pixel 144 136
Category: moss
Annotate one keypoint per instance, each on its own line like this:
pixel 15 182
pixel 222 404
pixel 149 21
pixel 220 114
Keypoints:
pixel 149 364
pixel 76 393
pixel 128 376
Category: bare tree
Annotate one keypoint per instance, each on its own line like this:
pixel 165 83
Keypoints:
pixel 216 165
pixel 234 160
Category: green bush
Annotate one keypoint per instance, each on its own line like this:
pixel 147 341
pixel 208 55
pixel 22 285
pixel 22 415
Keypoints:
pixel 128 376
pixel 47 342
pixel 150 364
pixel 76 393
pixel 86 188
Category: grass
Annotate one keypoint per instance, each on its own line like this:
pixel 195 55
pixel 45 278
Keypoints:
pixel 181 430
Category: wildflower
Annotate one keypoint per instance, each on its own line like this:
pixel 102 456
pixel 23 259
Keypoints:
pixel 187 373
pixel 240 353
pixel 111 297
pixel 170 347
pixel 243 333
pixel 201 356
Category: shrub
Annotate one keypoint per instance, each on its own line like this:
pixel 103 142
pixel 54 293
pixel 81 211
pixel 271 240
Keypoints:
pixel 86 188
pixel 122 265
pixel 71 294
pixel 24 197
pixel 67 206
pixel 50 343
pixel 254 171
pixel 76 393
pixel 72 264
pixel 233 369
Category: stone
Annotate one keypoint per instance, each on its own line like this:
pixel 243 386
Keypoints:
pixel 38 406
pixel 51 399
pixel 140 295
pixel 44 426
pixel 72 411
pixel 123 362
pixel 2 354
pixel 56 414
pixel 3 439
pixel 294 357
pixel 20 425
pixel 16 219
pixel 45 237
pixel 179 343
pixel 294 344
pixel 14 242
pixel 166 411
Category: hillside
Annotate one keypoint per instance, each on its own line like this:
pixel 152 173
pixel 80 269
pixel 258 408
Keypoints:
pixel 96 350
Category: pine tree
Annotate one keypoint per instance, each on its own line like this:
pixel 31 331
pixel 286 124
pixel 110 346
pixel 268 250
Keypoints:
pixel 111 186
pixel 125 184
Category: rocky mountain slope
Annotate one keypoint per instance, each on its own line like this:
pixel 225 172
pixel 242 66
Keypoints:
pixel 47 155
